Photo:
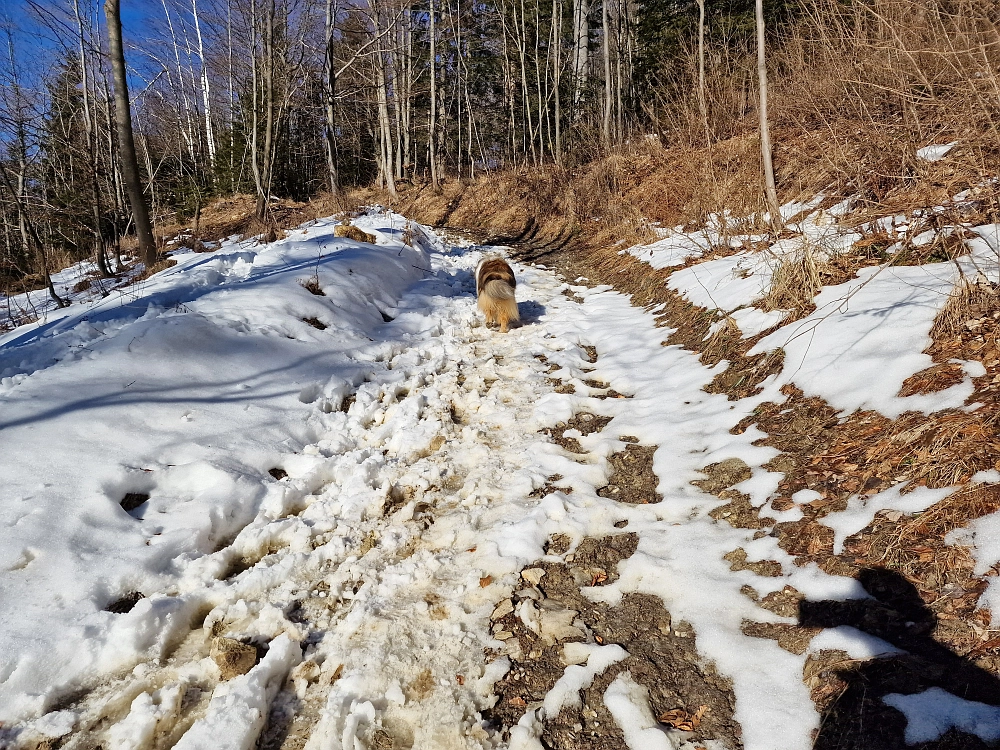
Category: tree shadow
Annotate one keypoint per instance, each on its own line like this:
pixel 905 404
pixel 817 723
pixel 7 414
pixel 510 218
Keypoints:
pixel 858 719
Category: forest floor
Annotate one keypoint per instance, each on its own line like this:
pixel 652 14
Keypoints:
pixel 682 506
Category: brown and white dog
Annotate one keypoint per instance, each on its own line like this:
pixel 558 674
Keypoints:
pixel 495 287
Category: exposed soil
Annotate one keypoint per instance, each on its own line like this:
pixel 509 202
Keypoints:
pixel 583 422
pixel 632 478
pixel 663 655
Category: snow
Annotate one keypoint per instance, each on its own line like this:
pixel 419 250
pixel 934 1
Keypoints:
pixel 238 708
pixel 934 711
pixel 628 702
pixel 855 643
pixel 410 437
pixel 861 510
pixel 866 337
pixel 674 248
pixel 183 393
pixel 566 691
pixel 935 152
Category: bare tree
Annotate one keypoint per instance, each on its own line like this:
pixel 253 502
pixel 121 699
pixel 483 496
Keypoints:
pixel 126 141
pixel 765 133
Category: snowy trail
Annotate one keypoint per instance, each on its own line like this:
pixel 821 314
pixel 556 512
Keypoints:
pixel 377 570
pixel 394 537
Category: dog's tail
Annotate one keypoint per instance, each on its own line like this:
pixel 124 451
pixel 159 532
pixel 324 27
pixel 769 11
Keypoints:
pixel 498 290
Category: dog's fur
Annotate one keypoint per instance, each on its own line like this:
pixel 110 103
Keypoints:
pixel 495 285
pixel 351 232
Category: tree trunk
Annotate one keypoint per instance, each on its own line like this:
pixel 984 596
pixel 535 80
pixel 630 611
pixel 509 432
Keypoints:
pixel 765 134
pixel 267 158
pixel 432 132
pixel 126 142
pixel 608 94
pixel 205 91
pixel 329 94
pixel 581 49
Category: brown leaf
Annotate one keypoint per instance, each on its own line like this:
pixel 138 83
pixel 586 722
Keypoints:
pixel 678 718
pixel 486 581
pixel 460 678
pixel 517 701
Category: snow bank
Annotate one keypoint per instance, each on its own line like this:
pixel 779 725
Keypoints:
pixel 188 390
pixel 238 708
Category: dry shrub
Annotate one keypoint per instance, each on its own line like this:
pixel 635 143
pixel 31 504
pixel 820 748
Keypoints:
pixel 870 83
pixel 856 89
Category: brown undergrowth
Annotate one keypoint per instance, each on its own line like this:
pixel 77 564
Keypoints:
pixel 236 215
pixel 859 455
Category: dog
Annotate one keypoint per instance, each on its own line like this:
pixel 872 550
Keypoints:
pixel 495 285
pixel 352 232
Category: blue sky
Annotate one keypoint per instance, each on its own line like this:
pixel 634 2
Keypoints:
pixel 35 44
pixel 136 15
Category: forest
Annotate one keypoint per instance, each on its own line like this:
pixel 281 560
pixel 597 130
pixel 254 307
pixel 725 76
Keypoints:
pixel 290 99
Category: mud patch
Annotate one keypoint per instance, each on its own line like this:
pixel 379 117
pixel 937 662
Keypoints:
pixel 584 423
pixel 662 655
pixel 632 478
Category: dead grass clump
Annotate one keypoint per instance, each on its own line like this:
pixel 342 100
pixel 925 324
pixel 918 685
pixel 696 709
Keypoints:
pixel 971 301
pixel 843 267
pixel 352 232
pixel 745 374
pixel 312 286
pixel 794 284
pixel 948 244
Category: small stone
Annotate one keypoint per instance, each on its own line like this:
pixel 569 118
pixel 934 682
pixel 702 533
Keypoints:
pixel 503 635
pixel 307 670
pixel 503 609
pixel 533 575
pixel 233 657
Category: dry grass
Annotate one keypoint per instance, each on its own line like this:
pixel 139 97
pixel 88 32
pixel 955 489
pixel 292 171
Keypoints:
pixel 971 300
pixel 162 264
pixel 794 283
